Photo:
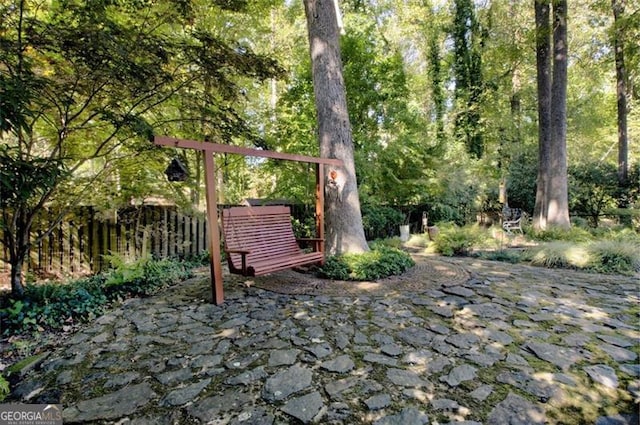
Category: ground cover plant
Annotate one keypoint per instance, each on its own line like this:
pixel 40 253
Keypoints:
pixel 461 240
pixel 382 261
pixel 53 306
pixel 604 256
pixel 4 388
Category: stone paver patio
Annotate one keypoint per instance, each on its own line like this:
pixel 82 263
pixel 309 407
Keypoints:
pixel 452 341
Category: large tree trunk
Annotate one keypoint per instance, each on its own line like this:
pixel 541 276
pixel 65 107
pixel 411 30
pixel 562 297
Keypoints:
pixel 543 64
pixel 621 92
pixel 342 204
pixel 17 288
pixel 558 197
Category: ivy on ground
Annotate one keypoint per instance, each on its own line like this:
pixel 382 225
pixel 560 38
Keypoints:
pixel 52 306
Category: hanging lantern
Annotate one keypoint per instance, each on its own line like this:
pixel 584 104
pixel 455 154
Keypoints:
pixel 176 171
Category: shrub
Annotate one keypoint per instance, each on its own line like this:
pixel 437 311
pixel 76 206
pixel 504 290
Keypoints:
pixel 521 187
pixel 614 257
pixel 418 240
pixel 624 235
pixel 393 242
pixel 606 256
pixel 504 255
pixel 145 276
pixel 202 258
pixel 380 262
pixel 592 190
pixel 454 240
pixel 575 234
pixel 54 305
pixel 334 268
pixel 559 254
pixel 380 221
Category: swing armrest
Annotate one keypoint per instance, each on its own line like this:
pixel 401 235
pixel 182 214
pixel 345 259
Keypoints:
pixel 243 253
pixel 237 251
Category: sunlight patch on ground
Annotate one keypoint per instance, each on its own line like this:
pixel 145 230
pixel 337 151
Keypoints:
pixel 367 286
pixel 301 315
pixel 227 333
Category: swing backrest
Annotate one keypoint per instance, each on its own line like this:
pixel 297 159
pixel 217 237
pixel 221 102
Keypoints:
pixel 260 240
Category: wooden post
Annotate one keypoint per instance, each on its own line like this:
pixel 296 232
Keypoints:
pixel 217 293
pixel 320 205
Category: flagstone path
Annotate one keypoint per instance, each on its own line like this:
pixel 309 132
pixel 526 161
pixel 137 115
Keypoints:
pixel 459 341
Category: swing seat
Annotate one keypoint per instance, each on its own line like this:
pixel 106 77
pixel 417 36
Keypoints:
pixel 260 240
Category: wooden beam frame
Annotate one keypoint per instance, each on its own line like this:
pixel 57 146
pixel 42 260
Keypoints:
pixel 208 149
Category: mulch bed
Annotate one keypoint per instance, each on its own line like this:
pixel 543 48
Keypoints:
pixel 428 273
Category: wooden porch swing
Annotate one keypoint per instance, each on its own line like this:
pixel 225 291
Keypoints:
pixel 258 240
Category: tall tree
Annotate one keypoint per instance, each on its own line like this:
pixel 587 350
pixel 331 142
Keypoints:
pixel 558 196
pixel 618 7
pixel 437 91
pixel 467 68
pixel 345 232
pixel 552 199
pixel 543 65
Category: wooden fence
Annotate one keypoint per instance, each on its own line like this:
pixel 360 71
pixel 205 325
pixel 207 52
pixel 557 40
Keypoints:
pixel 83 242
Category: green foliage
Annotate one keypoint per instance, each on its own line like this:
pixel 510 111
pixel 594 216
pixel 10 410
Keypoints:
pixel 200 259
pixel 455 240
pixel 305 228
pixel 54 305
pixel 447 212
pixel 4 388
pixel 624 235
pixel 457 195
pixel 144 276
pixel 592 189
pixel 420 240
pixel 575 234
pixel 621 257
pixel 558 254
pixel 380 221
pixel 122 272
pixel 468 42
pixel 335 268
pixel 393 242
pixel 521 188
pixel 503 255
pixel 22 179
pixel 85 85
pixel 380 262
